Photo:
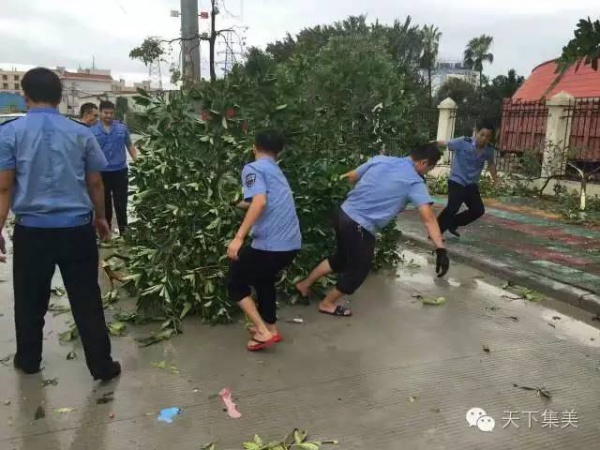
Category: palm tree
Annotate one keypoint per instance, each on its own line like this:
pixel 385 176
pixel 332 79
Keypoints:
pixel 431 43
pixel 478 52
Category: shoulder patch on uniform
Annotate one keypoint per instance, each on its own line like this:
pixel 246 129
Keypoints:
pixel 250 180
pixel 9 121
pixel 79 122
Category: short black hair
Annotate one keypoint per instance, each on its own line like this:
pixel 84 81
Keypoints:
pixel 429 151
pixel 41 85
pixel 105 104
pixel 485 123
pixel 87 108
pixel 269 140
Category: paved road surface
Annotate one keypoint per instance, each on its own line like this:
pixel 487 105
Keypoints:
pixel 398 375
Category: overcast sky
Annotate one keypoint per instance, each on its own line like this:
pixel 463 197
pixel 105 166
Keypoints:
pixel 53 33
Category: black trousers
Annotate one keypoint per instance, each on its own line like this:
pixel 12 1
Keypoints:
pixel 116 187
pixel 457 195
pixel 258 269
pixel 355 247
pixel 36 253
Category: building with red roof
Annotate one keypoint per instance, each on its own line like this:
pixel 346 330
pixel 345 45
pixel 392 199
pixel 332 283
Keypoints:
pixel 544 83
pixel 525 115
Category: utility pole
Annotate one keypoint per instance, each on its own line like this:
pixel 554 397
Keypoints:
pixel 214 10
pixel 190 41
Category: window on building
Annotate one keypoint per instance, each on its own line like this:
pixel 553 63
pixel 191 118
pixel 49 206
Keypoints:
pixel 17 87
pixel 4 77
pixel 4 85
pixel 17 78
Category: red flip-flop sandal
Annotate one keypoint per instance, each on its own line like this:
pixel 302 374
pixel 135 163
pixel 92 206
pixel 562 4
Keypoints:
pixel 260 345
pixel 276 337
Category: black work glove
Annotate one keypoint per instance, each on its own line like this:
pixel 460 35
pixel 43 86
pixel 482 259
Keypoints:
pixel 442 263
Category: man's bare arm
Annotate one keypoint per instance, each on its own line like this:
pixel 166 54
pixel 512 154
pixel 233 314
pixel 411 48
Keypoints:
pixel 256 208
pixel 494 172
pixel 431 224
pixel 96 191
pixel 132 152
pixel 7 180
pixel 243 205
pixel 352 177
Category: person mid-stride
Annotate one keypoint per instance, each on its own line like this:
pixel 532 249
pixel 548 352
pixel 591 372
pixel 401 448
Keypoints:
pixel 470 156
pixel 271 216
pixel 384 186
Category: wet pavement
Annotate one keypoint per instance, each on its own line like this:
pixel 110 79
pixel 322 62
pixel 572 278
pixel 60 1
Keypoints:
pixel 527 239
pixel 397 375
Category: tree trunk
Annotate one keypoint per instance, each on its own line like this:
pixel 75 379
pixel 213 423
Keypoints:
pixel 430 88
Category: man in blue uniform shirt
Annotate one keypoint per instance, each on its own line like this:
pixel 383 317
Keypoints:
pixel 50 174
pixel 88 114
pixel 115 141
pixel 470 156
pixel 271 219
pixel 384 186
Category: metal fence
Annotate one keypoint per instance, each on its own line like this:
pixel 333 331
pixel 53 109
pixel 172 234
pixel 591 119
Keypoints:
pixel 583 138
pixel 522 135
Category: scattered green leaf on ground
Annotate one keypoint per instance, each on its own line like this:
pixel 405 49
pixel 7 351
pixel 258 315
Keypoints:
pixel 71 356
pixel 412 399
pixel 58 309
pixel 540 391
pixel 64 410
pixel 531 295
pixel 506 285
pixel 296 440
pixel 158 337
pixel 163 365
pixel 69 335
pixel 110 297
pixel 40 413
pixel 434 301
pixel 117 329
pixel 486 348
pixel 50 382
pixel 59 291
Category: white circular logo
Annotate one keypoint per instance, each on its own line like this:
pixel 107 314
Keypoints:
pixel 486 423
pixel 473 416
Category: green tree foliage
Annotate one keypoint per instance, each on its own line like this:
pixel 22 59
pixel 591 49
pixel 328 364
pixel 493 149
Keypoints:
pixel 477 53
pixel 121 108
pixel 431 45
pixel 483 103
pixel 583 48
pixel 334 117
pixel 151 50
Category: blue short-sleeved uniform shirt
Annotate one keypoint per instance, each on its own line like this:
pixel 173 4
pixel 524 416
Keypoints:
pixel 386 185
pixel 468 163
pixel 50 155
pixel 114 144
pixel 278 228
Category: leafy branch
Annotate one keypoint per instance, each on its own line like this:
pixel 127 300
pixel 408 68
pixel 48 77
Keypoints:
pixel 583 48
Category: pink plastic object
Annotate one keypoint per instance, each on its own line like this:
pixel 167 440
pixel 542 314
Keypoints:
pixel 232 411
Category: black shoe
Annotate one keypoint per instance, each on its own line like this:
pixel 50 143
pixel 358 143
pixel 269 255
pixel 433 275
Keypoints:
pixel 454 232
pixel 26 369
pixel 113 371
